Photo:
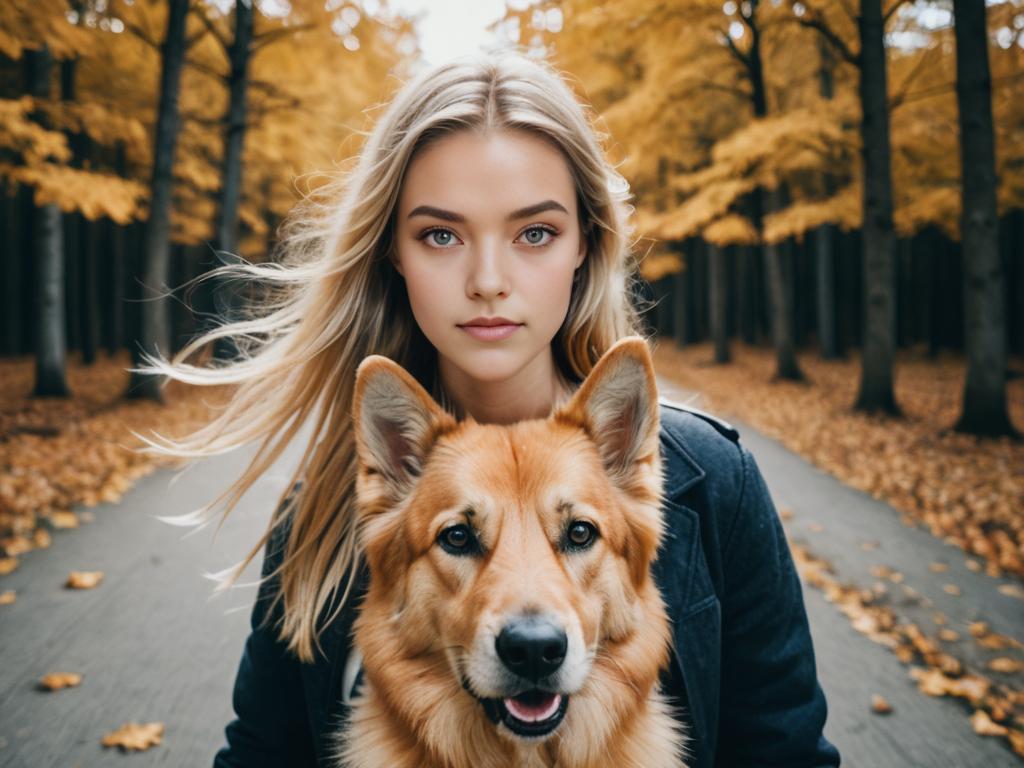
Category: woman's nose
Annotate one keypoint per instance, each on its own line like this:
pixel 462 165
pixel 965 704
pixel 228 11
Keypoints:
pixel 488 272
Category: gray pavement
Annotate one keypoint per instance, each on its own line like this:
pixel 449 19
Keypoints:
pixel 153 646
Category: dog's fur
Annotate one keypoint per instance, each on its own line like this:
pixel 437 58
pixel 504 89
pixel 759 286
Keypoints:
pixel 428 626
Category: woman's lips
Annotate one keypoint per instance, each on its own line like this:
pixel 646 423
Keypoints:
pixel 490 332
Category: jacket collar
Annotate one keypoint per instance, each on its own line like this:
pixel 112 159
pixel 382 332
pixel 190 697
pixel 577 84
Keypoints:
pixel 682 471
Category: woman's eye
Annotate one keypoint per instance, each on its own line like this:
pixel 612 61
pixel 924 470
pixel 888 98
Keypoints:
pixel 580 535
pixel 442 237
pixel 457 540
pixel 535 235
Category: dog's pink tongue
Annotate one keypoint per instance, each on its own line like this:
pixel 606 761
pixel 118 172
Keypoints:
pixel 534 713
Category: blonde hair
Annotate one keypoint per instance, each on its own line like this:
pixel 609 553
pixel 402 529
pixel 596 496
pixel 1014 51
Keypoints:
pixel 333 297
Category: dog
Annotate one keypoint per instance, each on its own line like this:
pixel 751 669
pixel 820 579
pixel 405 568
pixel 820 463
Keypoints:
pixel 511 618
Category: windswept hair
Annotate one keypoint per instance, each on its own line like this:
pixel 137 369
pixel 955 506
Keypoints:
pixel 333 296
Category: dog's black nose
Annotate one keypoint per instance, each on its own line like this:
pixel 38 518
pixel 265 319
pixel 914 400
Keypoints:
pixel 532 647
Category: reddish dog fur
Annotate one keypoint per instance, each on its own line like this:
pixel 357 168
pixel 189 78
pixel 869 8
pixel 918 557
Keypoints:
pixel 428 625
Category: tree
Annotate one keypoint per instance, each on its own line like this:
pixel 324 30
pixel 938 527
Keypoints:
pixel 876 391
pixel 155 331
pixel 984 403
pixel 50 346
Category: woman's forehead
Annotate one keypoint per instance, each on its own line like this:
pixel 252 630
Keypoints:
pixel 481 175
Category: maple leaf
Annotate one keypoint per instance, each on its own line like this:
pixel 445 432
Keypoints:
pixel 83 579
pixel 983 725
pixel 135 736
pixel 879 705
pixel 55 681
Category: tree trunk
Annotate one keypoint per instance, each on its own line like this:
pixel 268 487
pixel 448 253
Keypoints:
pixel 1017 252
pixel 717 293
pixel 48 252
pixel 227 296
pixel 878 238
pixel 764 203
pixel 90 292
pixel 680 291
pixel 155 329
pixel 825 235
pixel 984 402
pixel 786 366
pixel 13 259
pixel 116 239
pixel 824 238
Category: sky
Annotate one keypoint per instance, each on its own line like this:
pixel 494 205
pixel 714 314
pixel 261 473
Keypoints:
pixel 452 28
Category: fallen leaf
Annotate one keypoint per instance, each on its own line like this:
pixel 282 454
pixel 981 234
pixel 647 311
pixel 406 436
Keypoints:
pixel 7 597
pixel 978 628
pixel 786 513
pixel 83 579
pixel 951 589
pixel 1017 741
pixel 972 565
pixel 1006 665
pixel 15 545
pixel 880 706
pixel 139 736
pixel 1011 590
pixel 868 546
pixel 983 725
pixel 57 680
pixel 7 564
pixel 63 519
pixel 949 635
pixel 938 567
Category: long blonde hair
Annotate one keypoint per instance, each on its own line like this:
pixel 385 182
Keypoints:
pixel 333 296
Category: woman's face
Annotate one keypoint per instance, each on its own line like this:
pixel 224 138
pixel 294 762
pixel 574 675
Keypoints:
pixel 488 228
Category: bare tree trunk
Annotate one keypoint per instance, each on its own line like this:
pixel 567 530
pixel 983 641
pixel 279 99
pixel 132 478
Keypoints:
pixel 716 291
pixel 681 296
pixel 877 352
pixel 226 296
pixel 90 292
pixel 781 304
pixel 154 337
pixel 48 247
pixel 825 235
pixel 13 257
pixel 984 404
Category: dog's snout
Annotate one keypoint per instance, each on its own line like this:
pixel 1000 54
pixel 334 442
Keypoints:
pixel 532 647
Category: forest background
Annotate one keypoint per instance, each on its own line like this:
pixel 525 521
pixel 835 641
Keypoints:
pixel 829 205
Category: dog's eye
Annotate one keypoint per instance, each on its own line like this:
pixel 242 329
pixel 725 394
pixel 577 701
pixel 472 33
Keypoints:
pixel 580 535
pixel 457 540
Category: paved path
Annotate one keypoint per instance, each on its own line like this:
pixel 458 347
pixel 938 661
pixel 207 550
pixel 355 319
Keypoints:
pixel 153 646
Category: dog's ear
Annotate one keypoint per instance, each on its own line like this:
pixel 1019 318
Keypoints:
pixel 395 421
pixel 617 405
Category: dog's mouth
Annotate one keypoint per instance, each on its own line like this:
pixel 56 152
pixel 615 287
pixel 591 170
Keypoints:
pixel 530 714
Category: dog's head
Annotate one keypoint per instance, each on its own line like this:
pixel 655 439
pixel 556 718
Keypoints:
pixel 514 559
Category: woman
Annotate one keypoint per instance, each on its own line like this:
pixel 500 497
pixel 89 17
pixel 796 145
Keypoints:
pixel 482 242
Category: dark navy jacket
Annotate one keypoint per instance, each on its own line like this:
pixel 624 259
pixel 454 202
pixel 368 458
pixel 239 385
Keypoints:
pixel 743 670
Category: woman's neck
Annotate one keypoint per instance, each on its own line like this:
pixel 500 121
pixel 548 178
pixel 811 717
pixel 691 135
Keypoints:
pixel 531 394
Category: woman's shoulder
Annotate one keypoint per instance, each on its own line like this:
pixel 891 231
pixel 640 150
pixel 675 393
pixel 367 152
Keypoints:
pixel 700 449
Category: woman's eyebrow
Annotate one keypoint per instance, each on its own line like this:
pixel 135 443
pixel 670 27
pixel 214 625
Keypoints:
pixel 522 213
